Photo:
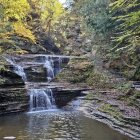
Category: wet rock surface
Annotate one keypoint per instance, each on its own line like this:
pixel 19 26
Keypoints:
pixel 106 107
pixel 9 78
pixel 103 102
pixel 35 65
pixel 13 100
pixel 63 93
pixel 12 93
pixel 112 99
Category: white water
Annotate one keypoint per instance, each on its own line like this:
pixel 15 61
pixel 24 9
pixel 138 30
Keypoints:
pixel 17 69
pixel 50 67
pixel 41 99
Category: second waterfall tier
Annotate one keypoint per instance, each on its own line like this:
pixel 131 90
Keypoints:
pixel 37 68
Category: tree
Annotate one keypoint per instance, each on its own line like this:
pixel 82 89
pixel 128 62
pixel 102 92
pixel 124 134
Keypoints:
pixel 13 19
pixel 117 21
pixel 17 19
pixel 48 11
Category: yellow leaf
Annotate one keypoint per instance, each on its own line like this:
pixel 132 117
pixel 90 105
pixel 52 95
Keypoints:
pixel 21 30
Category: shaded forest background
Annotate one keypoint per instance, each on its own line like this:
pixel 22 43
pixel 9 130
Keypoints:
pixel 113 27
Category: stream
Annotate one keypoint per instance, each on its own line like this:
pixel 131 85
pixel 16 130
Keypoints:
pixel 46 119
pixel 56 125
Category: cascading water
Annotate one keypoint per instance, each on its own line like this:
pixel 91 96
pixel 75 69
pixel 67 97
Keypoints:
pixel 49 66
pixel 41 99
pixel 17 69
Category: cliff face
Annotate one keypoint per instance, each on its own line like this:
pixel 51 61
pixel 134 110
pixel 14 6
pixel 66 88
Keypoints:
pixel 27 73
pixel 13 97
pixel 9 78
pixel 13 100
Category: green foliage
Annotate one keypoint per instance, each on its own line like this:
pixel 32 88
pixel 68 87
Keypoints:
pixel 14 9
pixel 95 14
pixel 48 12
pixel 116 24
pixel 23 18
pixel 125 37
pixel 126 19
pixel 13 17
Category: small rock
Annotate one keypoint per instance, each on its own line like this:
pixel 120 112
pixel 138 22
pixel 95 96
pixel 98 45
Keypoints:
pixel 9 138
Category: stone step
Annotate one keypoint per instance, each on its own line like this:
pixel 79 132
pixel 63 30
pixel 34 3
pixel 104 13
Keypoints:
pixel 39 58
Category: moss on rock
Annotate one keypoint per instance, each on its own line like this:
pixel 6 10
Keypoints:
pixel 113 111
pixel 77 71
pixel 98 80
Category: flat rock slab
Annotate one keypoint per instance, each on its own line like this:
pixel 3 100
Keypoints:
pixel 53 56
pixel 9 138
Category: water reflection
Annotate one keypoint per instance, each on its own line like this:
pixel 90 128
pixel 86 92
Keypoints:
pixel 50 125
pixel 58 125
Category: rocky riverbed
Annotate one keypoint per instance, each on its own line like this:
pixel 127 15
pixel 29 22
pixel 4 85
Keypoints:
pixel 106 107
pixel 112 100
pixel 109 98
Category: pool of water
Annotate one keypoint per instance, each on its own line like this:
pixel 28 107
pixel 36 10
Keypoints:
pixel 56 125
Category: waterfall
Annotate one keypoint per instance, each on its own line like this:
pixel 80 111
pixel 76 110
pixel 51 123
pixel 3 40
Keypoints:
pixel 49 66
pixel 41 99
pixel 17 68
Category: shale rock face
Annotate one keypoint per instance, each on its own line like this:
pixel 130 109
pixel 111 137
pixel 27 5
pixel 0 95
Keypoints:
pixel 35 70
pixel 13 97
pixel 13 100
pixel 45 44
pixel 9 78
